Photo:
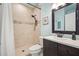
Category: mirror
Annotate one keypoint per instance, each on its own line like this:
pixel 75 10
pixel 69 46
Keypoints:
pixel 65 19
pixel 70 18
pixel 59 20
pixel 70 22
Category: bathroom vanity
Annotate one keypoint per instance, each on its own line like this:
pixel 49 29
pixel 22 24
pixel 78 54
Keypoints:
pixel 65 20
pixel 55 46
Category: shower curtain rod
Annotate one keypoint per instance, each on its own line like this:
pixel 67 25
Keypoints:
pixel 33 5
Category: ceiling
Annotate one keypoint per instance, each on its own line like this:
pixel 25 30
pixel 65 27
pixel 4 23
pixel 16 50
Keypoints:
pixel 32 5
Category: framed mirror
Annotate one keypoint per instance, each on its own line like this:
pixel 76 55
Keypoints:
pixel 64 19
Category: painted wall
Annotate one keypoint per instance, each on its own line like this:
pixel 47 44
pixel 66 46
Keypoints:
pixel 24 34
pixel 46 11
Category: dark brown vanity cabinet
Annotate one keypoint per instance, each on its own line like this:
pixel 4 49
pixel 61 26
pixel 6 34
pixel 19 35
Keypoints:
pixel 57 49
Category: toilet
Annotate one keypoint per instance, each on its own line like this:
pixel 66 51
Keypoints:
pixel 36 49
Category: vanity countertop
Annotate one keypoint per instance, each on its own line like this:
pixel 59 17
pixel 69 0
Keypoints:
pixel 65 41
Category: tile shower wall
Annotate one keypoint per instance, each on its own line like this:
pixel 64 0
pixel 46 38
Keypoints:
pixel 24 33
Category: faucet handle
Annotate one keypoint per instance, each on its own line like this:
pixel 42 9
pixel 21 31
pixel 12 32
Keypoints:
pixel 59 35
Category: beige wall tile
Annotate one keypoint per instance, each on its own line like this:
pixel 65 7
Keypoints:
pixel 24 34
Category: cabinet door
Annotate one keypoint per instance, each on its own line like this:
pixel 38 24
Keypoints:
pixel 62 50
pixel 50 48
pixel 72 51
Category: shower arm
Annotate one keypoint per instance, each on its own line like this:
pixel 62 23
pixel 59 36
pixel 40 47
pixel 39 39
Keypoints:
pixel 36 22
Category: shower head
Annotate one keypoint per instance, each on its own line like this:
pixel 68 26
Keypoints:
pixel 33 15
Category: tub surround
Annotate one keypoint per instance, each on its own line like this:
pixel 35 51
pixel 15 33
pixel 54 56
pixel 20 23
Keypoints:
pixel 24 34
pixel 65 41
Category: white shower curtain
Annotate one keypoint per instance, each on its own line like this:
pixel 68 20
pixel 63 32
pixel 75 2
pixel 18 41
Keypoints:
pixel 7 34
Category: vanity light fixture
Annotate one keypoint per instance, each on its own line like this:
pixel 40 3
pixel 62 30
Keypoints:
pixel 56 5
